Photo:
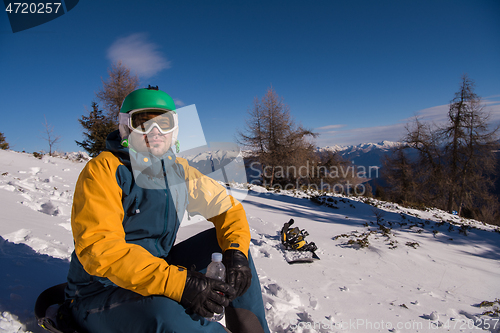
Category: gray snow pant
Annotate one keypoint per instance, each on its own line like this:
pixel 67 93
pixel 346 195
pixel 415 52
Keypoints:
pixel 119 310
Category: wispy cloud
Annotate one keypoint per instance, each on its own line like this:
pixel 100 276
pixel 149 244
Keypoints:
pixel 436 114
pixel 140 55
pixel 439 114
pixel 178 102
pixel 359 135
pixel 329 127
pixel 394 132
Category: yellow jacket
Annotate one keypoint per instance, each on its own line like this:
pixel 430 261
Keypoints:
pixel 123 232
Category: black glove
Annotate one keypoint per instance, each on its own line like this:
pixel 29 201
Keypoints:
pixel 205 296
pixel 238 273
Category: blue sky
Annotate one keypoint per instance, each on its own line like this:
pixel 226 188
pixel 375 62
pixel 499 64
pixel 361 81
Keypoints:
pixel 355 71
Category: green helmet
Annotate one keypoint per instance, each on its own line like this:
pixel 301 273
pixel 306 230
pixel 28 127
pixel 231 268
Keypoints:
pixel 146 98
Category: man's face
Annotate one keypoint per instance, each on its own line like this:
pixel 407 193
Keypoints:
pixel 153 142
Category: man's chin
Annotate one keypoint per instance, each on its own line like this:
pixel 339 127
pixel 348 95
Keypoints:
pixel 157 151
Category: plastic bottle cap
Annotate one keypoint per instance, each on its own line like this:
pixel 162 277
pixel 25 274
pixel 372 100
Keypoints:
pixel 216 256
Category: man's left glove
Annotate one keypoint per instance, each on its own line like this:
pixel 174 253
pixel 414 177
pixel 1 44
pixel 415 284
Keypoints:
pixel 238 273
pixel 205 296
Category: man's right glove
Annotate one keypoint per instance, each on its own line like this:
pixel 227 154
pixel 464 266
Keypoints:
pixel 205 296
pixel 238 273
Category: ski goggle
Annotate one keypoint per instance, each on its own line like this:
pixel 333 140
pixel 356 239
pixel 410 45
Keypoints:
pixel 144 120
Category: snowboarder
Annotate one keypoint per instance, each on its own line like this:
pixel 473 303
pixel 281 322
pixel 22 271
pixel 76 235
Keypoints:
pixel 126 274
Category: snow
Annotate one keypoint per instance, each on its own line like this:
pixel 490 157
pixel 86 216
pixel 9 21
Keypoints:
pixel 365 147
pixel 383 267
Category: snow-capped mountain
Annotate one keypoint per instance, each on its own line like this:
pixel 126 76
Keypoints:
pixel 366 154
pixel 364 147
pixel 207 161
pixel 225 164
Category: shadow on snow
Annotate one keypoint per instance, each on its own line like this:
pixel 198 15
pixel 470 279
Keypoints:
pixel 25 274
pixel 486 243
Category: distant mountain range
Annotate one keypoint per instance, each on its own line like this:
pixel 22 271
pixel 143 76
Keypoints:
pixel 222 164
pixel 208 161
pixel 366 154
pixel 371 154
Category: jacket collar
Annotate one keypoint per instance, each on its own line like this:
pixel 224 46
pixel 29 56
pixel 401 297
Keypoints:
pixel 148 169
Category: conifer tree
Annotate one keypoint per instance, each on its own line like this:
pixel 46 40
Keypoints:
pixel 98 123
pixel 3 143
pixel 96 128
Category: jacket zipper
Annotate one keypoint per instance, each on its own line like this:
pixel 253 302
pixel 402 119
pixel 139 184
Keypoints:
pixel 166 211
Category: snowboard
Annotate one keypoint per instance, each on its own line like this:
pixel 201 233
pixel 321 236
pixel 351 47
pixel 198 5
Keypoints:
pixel 295 248
pixel 50 298
pixel 300 257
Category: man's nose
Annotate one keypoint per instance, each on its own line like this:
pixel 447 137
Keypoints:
pixel 155 131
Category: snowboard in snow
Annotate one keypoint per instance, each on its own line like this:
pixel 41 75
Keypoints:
pixel 50 298
pixel 296 257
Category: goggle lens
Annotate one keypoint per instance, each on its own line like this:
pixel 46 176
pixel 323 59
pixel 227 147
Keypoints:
pixel 142 121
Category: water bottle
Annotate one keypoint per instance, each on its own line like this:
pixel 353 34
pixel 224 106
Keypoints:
pixel 216 271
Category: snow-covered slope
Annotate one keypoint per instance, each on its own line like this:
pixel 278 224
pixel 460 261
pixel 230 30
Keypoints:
pixel 35 231
pixel 383 268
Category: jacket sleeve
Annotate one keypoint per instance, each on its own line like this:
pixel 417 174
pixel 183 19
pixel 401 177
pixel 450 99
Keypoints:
pixel 210 199
pixel 96 221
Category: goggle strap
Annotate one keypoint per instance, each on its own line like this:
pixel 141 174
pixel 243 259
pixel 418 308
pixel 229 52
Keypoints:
pixel 127 144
